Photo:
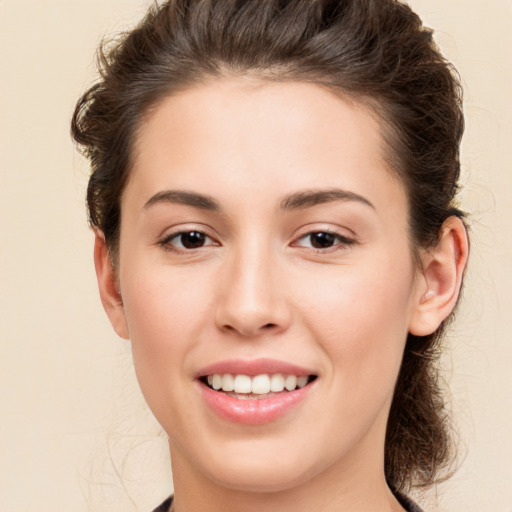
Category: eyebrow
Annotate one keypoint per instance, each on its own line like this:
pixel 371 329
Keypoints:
pixel 193 199
pixel 297 201
pixel 309 198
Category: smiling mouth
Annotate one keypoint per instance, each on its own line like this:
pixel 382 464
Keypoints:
pixel 245 387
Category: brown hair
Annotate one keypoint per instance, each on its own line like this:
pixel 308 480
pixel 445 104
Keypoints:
pixel 375 51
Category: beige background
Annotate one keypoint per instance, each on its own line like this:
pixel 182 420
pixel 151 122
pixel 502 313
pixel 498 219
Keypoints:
pixel 72 419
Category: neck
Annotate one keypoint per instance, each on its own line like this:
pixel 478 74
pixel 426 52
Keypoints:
pixel 362 489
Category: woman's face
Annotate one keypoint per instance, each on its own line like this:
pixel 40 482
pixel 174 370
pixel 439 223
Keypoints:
pixel 263 234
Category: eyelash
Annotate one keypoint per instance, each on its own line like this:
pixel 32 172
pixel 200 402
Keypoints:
pixel 167 242
pixel 340 242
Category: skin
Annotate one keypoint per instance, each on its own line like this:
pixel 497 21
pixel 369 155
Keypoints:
pixel 259 288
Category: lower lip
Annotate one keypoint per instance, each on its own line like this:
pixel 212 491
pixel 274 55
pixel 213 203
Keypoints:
pixel 253 411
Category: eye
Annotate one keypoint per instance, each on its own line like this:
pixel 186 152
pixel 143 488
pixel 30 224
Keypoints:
pixel 323 240
pixel 186 241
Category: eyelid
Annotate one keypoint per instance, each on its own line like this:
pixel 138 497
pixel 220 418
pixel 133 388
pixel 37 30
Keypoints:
pixel 165 240
pixel 343 241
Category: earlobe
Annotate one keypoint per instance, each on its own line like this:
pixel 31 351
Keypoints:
pixel 108 286
pixel 441 280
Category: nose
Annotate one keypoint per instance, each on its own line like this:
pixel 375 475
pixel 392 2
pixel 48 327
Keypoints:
pixel 251 296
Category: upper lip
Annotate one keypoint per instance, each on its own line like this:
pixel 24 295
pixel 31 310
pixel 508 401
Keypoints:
pixel 253 367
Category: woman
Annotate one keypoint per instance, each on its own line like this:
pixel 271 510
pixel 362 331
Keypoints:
pixel 273 197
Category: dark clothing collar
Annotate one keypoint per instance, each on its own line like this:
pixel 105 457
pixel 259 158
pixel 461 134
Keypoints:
pixel 408 504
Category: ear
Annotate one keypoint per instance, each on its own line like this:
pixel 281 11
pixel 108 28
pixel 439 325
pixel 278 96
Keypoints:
pixel 439 285
pixel 109 286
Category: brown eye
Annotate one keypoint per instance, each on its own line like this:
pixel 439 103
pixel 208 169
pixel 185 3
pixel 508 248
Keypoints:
pixel 192 239
pixel 186 241
pixel 322 240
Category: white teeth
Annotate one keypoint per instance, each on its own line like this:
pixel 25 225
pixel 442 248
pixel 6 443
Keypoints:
pixel 302 381
pixel 217 381
pixel 290 383
pixel 258 385
pixel 261 384
pixel 228 382
pixel 243 384
pixel 277 383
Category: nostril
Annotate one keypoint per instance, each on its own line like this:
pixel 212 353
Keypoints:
pixel 264 327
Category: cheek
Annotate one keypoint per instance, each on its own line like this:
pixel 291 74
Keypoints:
pixel 361 321
pixel 165 314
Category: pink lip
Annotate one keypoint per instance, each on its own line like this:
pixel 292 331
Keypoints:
pixel 253 367
pixel 253 412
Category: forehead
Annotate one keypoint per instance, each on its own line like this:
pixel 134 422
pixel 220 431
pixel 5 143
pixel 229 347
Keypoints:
pixel 245 133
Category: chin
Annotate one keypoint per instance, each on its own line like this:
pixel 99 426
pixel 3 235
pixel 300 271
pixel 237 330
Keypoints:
pixel 260 479
pixel 267 472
